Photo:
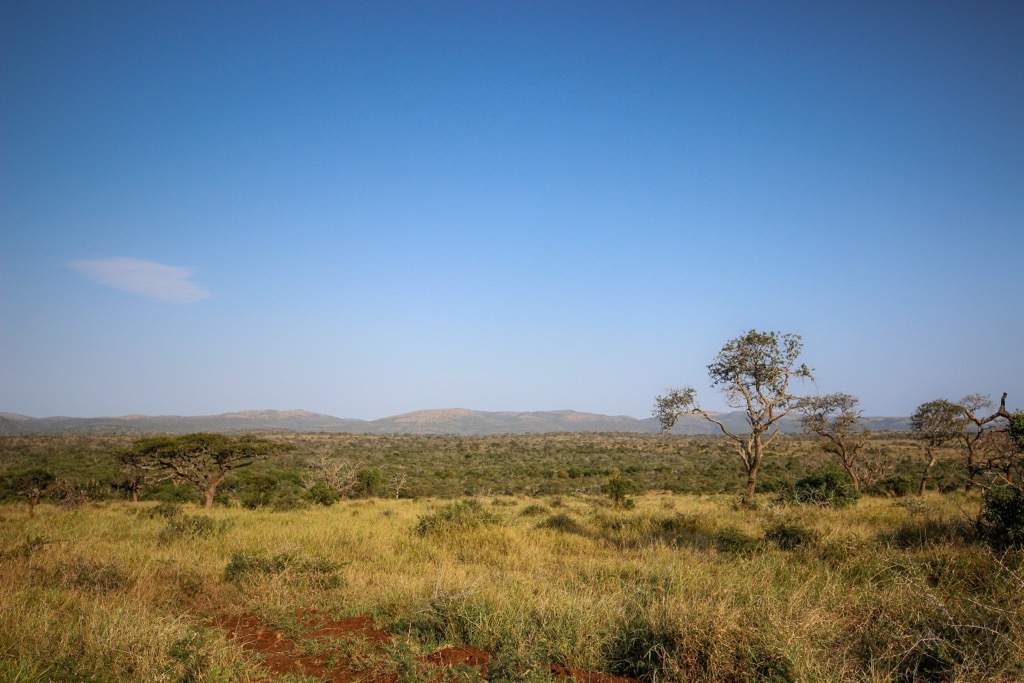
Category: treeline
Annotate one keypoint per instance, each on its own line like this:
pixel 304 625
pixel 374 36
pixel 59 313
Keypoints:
pixel 305 469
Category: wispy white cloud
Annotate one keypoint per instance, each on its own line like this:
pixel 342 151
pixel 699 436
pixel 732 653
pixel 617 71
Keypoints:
pixel 146 278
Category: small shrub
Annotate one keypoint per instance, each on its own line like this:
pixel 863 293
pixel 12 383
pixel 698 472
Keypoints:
pixel 533 510
pixel 827 488
pixel 191 527
pixel 790 536
pixel 165 510
pixel 92 575
pixel 322 494
pixel 1001 521
pixel 562 522
pixel 733 540
pixel 317 572
pixel 922 531
pixel 192 655
pixel 897 485
pixel 915 506
pixel 465 515
pixel 617 488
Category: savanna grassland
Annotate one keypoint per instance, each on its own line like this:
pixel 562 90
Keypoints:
pixel 530 584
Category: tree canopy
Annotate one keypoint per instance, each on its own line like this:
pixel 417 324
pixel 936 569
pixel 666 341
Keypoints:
pixel 754 372
pixel 201 459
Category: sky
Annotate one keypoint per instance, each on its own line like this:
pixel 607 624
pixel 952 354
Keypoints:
pixel 370 208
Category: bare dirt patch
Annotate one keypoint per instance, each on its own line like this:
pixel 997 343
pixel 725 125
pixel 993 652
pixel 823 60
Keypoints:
pixel 352 649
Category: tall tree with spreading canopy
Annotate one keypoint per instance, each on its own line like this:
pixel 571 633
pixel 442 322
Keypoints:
pixel 936 423
pixel 835 419
pixel 200 459
pixel 754 372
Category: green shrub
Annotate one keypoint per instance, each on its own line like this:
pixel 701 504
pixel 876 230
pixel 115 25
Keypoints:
pixel 618 488
pixel 898 485
pixel 317 572
pixel 827 488
pixel 166 510
pixel 790 536
pixel 733 540
pixel 562 522
pixel 1001 522
pixel 533 510
pixel 322 494
pixel 465 515
pixel 191 527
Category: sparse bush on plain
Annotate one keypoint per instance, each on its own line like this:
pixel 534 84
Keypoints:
pixel 465 515
pixel 790 536
pixel 318 572
pixel 562 522
pixel 533 510
pixel 190 527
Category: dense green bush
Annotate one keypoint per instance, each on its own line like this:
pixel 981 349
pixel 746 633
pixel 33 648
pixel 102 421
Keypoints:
pixel 897 485
pixel 828 487
pixel 1001 521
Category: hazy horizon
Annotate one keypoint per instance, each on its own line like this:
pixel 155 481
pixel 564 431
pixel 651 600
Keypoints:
pixel 368 209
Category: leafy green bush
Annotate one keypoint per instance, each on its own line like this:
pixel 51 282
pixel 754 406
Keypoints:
pixel 465 515
pixel 1001 522
pixel 322 494
pixel 827 487
pixel 618 488
pixel 897 485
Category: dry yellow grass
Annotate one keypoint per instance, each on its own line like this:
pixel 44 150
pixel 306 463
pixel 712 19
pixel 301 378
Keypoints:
pixel 679 588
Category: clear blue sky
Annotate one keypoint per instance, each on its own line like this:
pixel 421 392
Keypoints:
pixel 368 208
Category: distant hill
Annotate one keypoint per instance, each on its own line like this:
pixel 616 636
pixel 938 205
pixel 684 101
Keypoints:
pixel 439 421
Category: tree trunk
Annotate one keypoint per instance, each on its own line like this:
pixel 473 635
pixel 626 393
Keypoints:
pixel 754 455
pixel 32 506
pixel 135 496
pixel 211 489
pixel 854 479
pixel 927 471
pixel 748 490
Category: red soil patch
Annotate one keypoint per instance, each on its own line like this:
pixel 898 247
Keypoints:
pixel 356 658
pixel 283 655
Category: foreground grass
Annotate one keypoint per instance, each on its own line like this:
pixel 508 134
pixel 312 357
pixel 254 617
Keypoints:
pixel 680 588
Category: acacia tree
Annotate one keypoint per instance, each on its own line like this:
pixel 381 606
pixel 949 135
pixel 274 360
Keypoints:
pixel 32 485
pixel 986 440
pixel 753 371
pixel 201 459
pixel 936 423
pixel 133 476
pixel 834 418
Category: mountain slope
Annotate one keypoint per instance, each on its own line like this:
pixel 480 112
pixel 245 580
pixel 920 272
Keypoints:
pixel 438 421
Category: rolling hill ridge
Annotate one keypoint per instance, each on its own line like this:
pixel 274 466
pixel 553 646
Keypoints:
pixel 436 421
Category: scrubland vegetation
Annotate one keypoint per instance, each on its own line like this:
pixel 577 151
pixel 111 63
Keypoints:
pixel 600 557
pixel 679 587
